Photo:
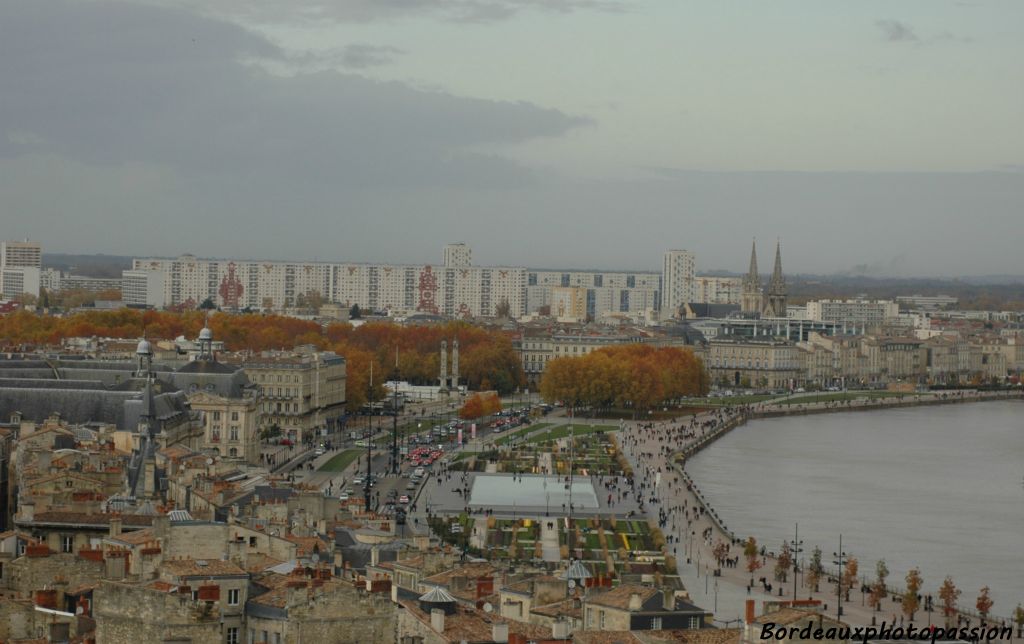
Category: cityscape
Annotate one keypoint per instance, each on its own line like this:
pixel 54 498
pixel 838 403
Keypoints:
pixel 511 322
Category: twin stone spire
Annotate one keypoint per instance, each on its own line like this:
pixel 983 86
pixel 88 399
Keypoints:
pixel 753 298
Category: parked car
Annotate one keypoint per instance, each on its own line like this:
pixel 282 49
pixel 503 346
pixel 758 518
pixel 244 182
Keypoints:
pixel 404 499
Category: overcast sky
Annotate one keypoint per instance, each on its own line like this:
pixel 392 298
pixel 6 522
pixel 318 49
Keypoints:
pixel 555 133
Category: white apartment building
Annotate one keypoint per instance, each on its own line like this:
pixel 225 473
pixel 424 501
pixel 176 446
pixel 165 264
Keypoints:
pixel 21 254
pixel 606 292
pixel 143 288
pixel 677 277
pixel 16 281
pixel 457 255
pixel 718 290
pixel 461 292
pixel 861 314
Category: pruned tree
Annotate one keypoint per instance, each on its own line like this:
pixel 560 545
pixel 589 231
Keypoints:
pixel 850 576
pixel 949 594
pixel 910 602
pixel 878 591
pixel 815 570
pixel 753 557
pixel 984 603
pixel 783 563
pixel 720 551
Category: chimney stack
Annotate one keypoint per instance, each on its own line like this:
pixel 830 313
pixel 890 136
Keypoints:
pixel 634 602
pixel 115 525
pixel 499 632
pixel 437 620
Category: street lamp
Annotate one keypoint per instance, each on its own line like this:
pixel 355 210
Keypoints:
pixel 839 583
pixel 796 548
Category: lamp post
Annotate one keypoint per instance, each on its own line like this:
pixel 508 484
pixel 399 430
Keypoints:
pixel 796 547
pixel 839 583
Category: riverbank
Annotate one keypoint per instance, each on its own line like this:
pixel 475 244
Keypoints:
pixel 730 589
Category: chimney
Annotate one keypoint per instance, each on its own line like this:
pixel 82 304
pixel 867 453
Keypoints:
pixel 374 556
pixel 750 617
pixel 437 620
pixel 669 598
pixel 634 602
pixel 161 526
pixel 115 525
pixel 499 632
pixel 560 630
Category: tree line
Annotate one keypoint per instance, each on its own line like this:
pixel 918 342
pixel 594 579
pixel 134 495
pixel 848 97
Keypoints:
pixel 487 360
pixel 636 376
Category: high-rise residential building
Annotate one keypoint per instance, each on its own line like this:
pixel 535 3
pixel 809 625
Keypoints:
pixel 143 288
pixel 457 255
pixel 21 254
pixel 857 314
pixel 677 281
pixel 606 292
pixel 15 282
pixel 718 290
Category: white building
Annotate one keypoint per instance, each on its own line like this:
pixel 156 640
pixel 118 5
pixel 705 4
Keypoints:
pixel 455 291
pixel 718 290
pixel 143 288
pixel 606 292
pixel 457 255
pixel 853 313
pixel 16 281
pixel 677 279
pixel 21 254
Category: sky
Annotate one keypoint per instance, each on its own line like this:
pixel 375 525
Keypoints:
pixel 885 136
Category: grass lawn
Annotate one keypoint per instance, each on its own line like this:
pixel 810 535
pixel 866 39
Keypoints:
pixel 340 461
pixel 520 432
pixel 837 396
pixel 730 400
pixel 577 430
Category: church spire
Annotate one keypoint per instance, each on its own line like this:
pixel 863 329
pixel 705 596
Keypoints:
pixel 752 276
pixel 776 307
pixel 751 297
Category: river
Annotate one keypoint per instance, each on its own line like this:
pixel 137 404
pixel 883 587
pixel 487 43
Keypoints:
pixel 938 487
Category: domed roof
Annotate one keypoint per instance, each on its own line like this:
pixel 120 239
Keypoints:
pixel 206 334
pixel 144 348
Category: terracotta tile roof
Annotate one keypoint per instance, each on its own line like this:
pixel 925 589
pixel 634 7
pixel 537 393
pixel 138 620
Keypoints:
pixel 91 518
pixel 619 596
pixel 200 568
pixel 697 635
pixel 306 544
pixel 567 607
pixel 412 563
pixel 604 637
pixel 258 562
pixel 471 625
pixel 161 586
pixel 136 538
pixel 470 570
pixel 785 616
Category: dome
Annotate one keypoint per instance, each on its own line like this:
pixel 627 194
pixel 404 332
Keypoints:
pixel 144 348
pixel 206 334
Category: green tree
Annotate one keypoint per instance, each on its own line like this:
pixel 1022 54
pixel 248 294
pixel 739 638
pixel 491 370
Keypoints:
pixel 207 305
pixel 1018 619
pixel 354 313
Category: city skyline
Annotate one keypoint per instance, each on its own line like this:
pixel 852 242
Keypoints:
pixel 379 131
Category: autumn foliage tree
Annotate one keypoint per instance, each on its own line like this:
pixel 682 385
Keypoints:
pixel 753 557
pixel 636 376
pixel 984 602
pixel 850 576
pixel 878 591
pixel 910 601
pixel 479 405
pixel 783 563
pixel 815 569
pixel 949 594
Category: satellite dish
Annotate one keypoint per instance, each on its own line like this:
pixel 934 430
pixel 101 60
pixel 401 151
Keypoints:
pixel 209 461
pixel 315 558
pixel 572 584
pixel 488 608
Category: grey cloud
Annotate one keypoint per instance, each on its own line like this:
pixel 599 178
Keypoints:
pixel 368 10
pixel 362 56
pixel 896 31
pixel 116 83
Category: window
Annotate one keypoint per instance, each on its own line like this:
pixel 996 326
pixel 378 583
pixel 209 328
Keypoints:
pixel 252 544
pixel 67 543
pixel 234 415
pixel 232 635
pixel 232 597
pixel 216 415
pixel 655 623
pixel 233 434
pixel 600 619
pixel 694 622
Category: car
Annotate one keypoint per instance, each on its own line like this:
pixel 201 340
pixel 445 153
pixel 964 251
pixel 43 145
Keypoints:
pixel 410 486
pixel 343 497
pixel 357 480
pixel 456 528
pixel 404 499
pixel 319 451
pixel 349 491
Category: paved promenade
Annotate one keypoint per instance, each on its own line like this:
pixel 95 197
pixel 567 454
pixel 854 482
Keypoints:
pixel 692 528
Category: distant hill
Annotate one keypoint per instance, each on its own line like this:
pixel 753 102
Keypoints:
pixel 89 265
